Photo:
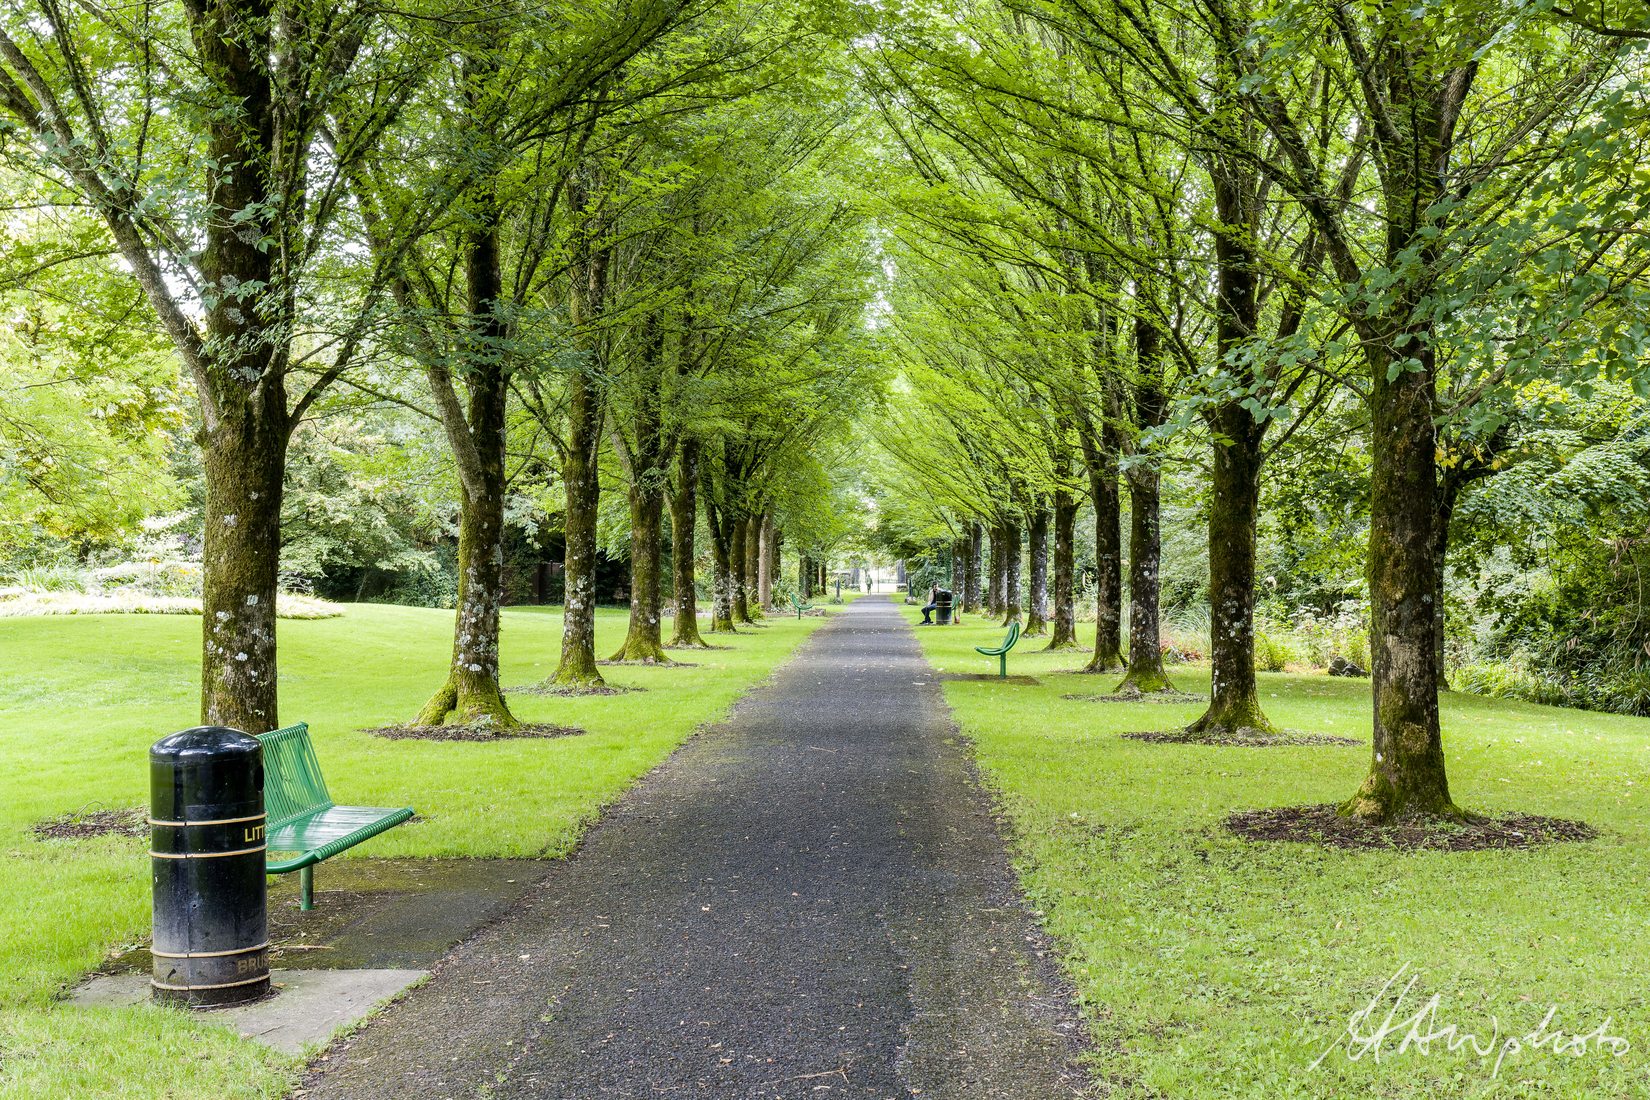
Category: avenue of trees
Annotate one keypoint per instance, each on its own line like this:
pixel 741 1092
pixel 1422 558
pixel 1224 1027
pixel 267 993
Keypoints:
pixel 573 239
pixel 1358 289
pixel 1133 238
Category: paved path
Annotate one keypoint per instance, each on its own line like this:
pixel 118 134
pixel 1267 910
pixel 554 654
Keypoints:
pixel 809 900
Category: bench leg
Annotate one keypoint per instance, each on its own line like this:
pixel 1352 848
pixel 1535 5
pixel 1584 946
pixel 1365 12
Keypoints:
pixel 1002 666
pixel 306 888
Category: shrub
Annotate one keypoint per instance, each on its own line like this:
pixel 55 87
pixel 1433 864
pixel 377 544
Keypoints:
pixel 1273 652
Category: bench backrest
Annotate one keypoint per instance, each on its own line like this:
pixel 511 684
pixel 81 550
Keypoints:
pixel 293 783
pixel 1013 635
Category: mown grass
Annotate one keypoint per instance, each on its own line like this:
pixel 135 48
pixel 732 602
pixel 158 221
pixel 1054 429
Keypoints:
pixel 1214 967
pixel 82 698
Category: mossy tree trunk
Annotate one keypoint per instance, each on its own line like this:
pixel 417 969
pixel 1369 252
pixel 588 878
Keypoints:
pixel 973 590
pixel 1063 622
pixel 753 566
pixel 997 564
pixel 244 459
pixel 1037 602
pixel 722 579
pixel 577 667
pixel 476 435
pixel 767 555
pixel 1234 500
pixel 1101 460
pixel 1013 547
pixel 1234 700
pixel 684 516
pixel 959 567
pixel 739 563
pixel 643 639
pixel 1146 672
pixel 580 449
pixel 1406 772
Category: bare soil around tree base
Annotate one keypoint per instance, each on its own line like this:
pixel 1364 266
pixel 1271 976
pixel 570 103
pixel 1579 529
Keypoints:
pixel 472 733
pixel 1243 735
pixel 84 823
pixel 1324 825
pixel 574 690
pixel 1139 697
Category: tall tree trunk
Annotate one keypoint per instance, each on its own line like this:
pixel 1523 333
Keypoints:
pixel 244 460
pixel 767 545
pixel 1101 460
pixel 753 566
pixel 1234 501
pixel 1406 772
pixel 739 559
pixel 577 667
pixel 1012 553
pixel 1064 620
pixel 1234 507
pixel 959 569
pixel 1037 616
pixel 684 515
pixel 579 454
pixel 472 691
pixel 1449 494
pixel 973 589
pixel 723 582
pixel 805 577
pixel 996 593
pixel 643 639
pixel 1406 775
pixel 1146 673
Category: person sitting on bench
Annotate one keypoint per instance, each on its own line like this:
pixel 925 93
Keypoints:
pixel 930 607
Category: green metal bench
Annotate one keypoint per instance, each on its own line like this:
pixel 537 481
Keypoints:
pixel 800 606
pixel 303 820
pixel 1001 652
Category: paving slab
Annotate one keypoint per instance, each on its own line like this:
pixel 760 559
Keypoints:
pixel 380 914
pixel 308 1008
pixel 811 899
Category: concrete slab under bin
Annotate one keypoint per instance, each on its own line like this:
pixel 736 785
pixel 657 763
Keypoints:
pixel 309 1007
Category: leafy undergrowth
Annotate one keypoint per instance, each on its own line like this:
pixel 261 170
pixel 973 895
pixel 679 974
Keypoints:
pixel 1213 966
pixel 82 698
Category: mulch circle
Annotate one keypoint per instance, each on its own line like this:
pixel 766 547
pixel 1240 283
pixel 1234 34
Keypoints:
pixel 1140 697
pixel 525 731
pixel 89 823
pixel 1324 825
pixel 569 690
pixel 1245 735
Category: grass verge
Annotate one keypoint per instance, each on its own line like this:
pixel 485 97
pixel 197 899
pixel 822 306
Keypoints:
pixel 1212 966
pixel 82 698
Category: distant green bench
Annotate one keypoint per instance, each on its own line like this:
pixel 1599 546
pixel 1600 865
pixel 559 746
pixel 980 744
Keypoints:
pixel 1001 652
pixel 303 820
pixel 800 606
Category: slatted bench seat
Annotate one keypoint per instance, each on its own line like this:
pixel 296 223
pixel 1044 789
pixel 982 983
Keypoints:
pixel 304 823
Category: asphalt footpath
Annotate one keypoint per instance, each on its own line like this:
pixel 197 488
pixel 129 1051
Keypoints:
pixel 810 899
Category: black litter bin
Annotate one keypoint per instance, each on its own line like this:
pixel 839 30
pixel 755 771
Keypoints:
pixel 206 819
pixel 942 607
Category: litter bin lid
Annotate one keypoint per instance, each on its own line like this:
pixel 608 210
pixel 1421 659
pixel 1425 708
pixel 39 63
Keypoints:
pixel 203 743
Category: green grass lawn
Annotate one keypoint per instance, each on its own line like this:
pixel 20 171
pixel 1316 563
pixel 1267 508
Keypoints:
pixel 82 698
pixel 1214 967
